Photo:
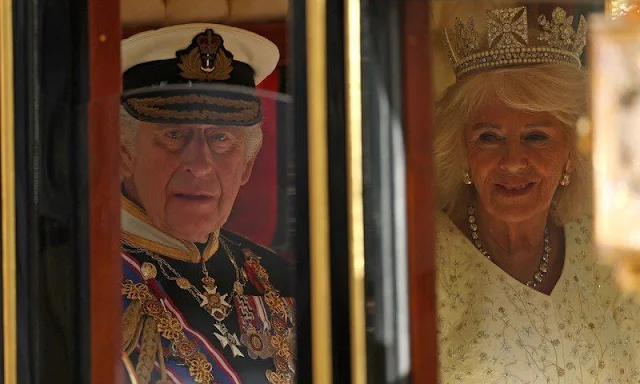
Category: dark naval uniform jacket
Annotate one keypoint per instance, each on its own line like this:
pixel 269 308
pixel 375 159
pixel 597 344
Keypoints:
pixel 238 326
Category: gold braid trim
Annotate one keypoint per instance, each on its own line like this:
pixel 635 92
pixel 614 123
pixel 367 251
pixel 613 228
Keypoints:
pixel 248 110
pixel 128 365
pixel 171 329
pixel 195 115
pixel 130 321
pixel 148 349
pixel 195 99
pixel 163 368
pixel 134 340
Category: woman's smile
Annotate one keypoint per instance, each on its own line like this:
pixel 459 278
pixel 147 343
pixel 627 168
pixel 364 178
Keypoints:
pixel 514 190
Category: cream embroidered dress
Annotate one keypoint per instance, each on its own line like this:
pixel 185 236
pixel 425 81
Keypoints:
pixel 494 329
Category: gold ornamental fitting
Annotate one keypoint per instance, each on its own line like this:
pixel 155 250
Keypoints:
pixel 149 271
pixel 183 283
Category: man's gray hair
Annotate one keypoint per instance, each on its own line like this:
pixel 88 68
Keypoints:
pixel 129 131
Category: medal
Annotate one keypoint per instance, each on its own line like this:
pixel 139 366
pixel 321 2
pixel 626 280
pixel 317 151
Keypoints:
pixel 227 338
pixel 258 343
pixel 214 302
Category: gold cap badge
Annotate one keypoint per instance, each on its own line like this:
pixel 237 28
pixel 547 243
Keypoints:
pixel 206 59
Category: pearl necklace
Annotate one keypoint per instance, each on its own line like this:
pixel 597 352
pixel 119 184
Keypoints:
pixel 543 268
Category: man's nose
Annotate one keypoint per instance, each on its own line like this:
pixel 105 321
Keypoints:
pixel 198 159
pixel 514 158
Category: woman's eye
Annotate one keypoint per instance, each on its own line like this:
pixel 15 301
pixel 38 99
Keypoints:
pixel 536 137
pixel 489 137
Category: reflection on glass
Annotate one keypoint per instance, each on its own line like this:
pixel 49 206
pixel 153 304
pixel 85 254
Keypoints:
pixel 202 303
pixel 521 295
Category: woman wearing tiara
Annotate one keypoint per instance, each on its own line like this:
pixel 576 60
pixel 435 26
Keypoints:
pixel 521 297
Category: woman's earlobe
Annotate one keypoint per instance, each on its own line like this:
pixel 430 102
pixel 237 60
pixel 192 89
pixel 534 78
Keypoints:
pixel 568 168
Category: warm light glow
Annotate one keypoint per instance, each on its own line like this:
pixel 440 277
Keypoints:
pixel 623 8
pixel 614 64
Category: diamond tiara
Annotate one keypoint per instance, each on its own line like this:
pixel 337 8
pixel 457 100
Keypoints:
pixel 509 41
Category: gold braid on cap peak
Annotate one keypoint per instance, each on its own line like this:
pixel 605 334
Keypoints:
pixel 509 41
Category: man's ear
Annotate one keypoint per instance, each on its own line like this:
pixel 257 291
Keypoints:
pixel 126 162
pixel 248 167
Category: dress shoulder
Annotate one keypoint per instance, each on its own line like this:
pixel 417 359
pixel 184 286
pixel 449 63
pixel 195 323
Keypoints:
pixel 458 264
pixel 451 244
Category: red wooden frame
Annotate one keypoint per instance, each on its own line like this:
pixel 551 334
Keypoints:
pixel 418 103
pixel 104 191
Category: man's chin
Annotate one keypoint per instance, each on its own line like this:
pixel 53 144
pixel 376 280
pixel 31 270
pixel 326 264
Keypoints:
pixel 195 236
pixel 193 230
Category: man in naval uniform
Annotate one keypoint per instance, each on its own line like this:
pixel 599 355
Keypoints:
pixel 201 304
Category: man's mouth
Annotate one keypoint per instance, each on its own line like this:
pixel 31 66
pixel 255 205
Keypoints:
pixel 202 197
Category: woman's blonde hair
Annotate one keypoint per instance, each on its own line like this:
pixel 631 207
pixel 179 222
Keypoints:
pixel 558 89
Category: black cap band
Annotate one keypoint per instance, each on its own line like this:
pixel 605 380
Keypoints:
pixel 167 72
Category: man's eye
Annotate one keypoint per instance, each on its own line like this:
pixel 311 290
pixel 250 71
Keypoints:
pixel 220 137
pixel 174 134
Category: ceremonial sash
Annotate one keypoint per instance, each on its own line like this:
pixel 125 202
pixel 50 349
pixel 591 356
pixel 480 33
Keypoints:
pixel 176 369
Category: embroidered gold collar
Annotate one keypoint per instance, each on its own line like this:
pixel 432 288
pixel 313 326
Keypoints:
pixel 138 231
